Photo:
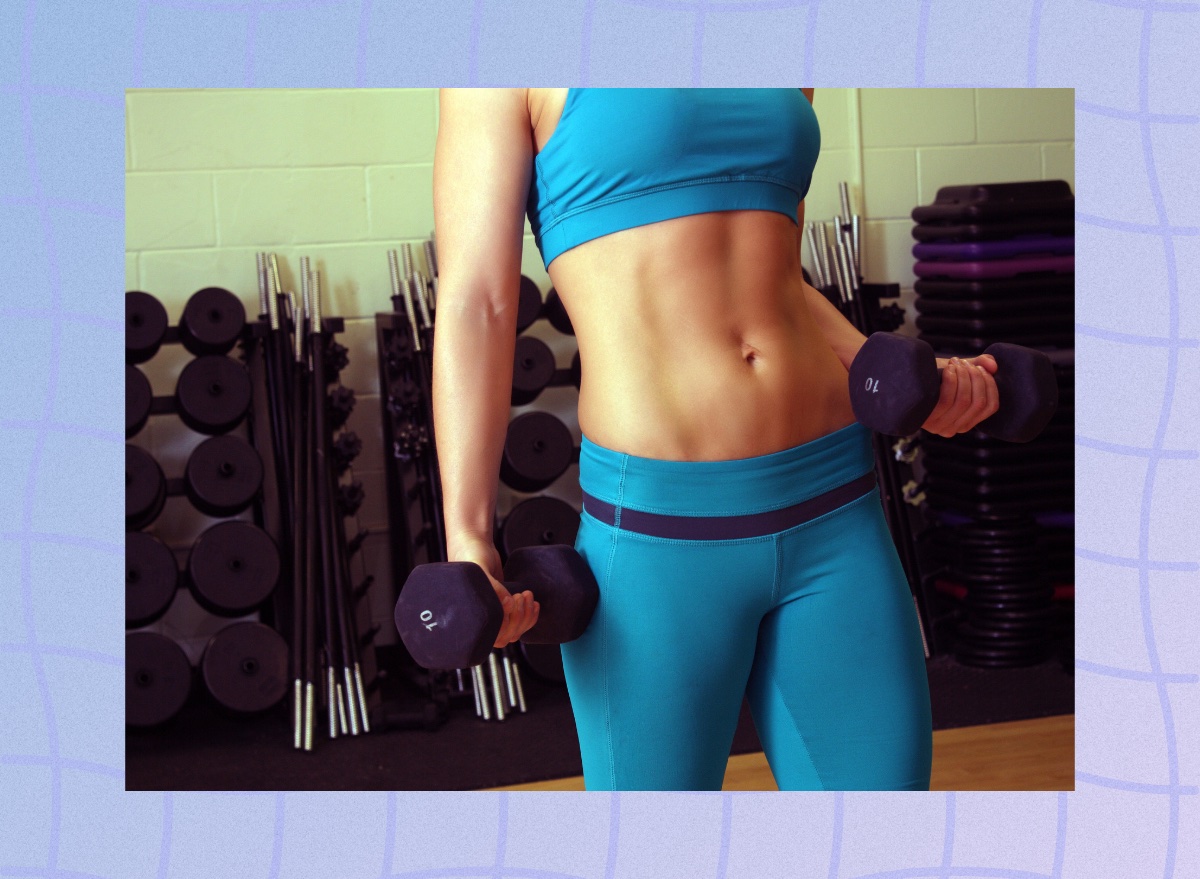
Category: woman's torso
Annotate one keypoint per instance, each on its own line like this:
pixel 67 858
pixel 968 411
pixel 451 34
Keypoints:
pixel 696 340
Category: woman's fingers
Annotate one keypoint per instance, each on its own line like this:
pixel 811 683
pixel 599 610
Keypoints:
pixel 967 396
pixel 972 396
pixel 941 420
pixel 520 615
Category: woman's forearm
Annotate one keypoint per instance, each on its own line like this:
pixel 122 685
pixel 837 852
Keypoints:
pixel 472 388
pixel 839 332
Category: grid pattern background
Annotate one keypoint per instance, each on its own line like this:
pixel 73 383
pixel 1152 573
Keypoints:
pixel 63 67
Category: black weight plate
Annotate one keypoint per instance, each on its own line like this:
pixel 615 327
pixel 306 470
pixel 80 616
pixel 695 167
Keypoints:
pixel 992 585
pixel 1007 610
pixel 989 231
pixel 990 624
pixel 1000 306
pixel 539 521
pixel 970 346
pixel 533 368
pixel 1013 599
pixel 1018 525
pixel 529 304
pixel 940 499
pixel 576 371
pixel 1011 453
pixel 1013 537
pixel 212 321
pixel 1003 589
pixel 1051 287
pixel 982 593
pixel 537 450
pixel 985 600
pixel 145 326
pixel 992 490
pixel 1011 555
pixel 151 578
pixel 972 638
pixel 544 661
pixel 213 394
pixel 223 475
pixel 991 201
pixel 1019 579
pixel 1028 474
pixel 1008 639
pixel 1008 326
pixel 1025 647
pixel 138 398
pixel 158 678
pixel 999 657
pixel 245 667
pixel 556 313
pixel 233 568
pixel 1053 440
pixel 1029 617
pixel 145 488
pixel 993 562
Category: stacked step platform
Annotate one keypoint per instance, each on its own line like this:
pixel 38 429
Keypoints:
pixel 995 263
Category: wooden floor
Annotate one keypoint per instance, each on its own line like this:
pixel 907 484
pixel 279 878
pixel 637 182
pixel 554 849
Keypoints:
pixel 1020 755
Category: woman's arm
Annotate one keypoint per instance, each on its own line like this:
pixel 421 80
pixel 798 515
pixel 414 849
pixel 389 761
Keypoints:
pixel 481 173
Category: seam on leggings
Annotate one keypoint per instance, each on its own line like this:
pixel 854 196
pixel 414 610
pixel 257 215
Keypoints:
pixel 612 552
pixel 799 735
pixel 778 569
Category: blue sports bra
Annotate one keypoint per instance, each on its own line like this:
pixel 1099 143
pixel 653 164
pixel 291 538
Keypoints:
pixel 627 157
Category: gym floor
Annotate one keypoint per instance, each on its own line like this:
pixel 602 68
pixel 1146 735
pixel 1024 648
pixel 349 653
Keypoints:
pixel 1019 755
pixel 1009 729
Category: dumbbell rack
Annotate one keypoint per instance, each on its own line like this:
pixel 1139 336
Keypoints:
pixel 268 675
pixel 159 676
pixel 996 264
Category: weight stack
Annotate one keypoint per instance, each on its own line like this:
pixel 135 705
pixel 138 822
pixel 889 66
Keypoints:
pixel 995 263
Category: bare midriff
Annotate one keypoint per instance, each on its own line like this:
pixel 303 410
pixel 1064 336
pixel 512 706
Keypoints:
pixel 696 340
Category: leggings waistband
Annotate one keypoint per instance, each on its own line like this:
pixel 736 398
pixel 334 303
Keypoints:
pixel 728 527
pixel 616 484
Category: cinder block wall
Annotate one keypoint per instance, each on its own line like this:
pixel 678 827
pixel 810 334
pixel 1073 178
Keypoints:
pixel 341 176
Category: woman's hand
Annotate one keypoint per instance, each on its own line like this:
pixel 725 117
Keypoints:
pixel 520 610
pixel 967 397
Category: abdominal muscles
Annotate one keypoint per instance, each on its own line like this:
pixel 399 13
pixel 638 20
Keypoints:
pixel 696 341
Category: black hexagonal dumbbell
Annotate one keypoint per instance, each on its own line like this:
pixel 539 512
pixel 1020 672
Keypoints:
pixel 448 614
pixel 895 384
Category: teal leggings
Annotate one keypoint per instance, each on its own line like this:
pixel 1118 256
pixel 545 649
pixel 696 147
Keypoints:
pixel 774 577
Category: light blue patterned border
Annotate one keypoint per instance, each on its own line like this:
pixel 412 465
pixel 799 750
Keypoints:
pixel 63 68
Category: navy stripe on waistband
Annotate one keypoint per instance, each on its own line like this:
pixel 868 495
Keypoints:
pixel 729 527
